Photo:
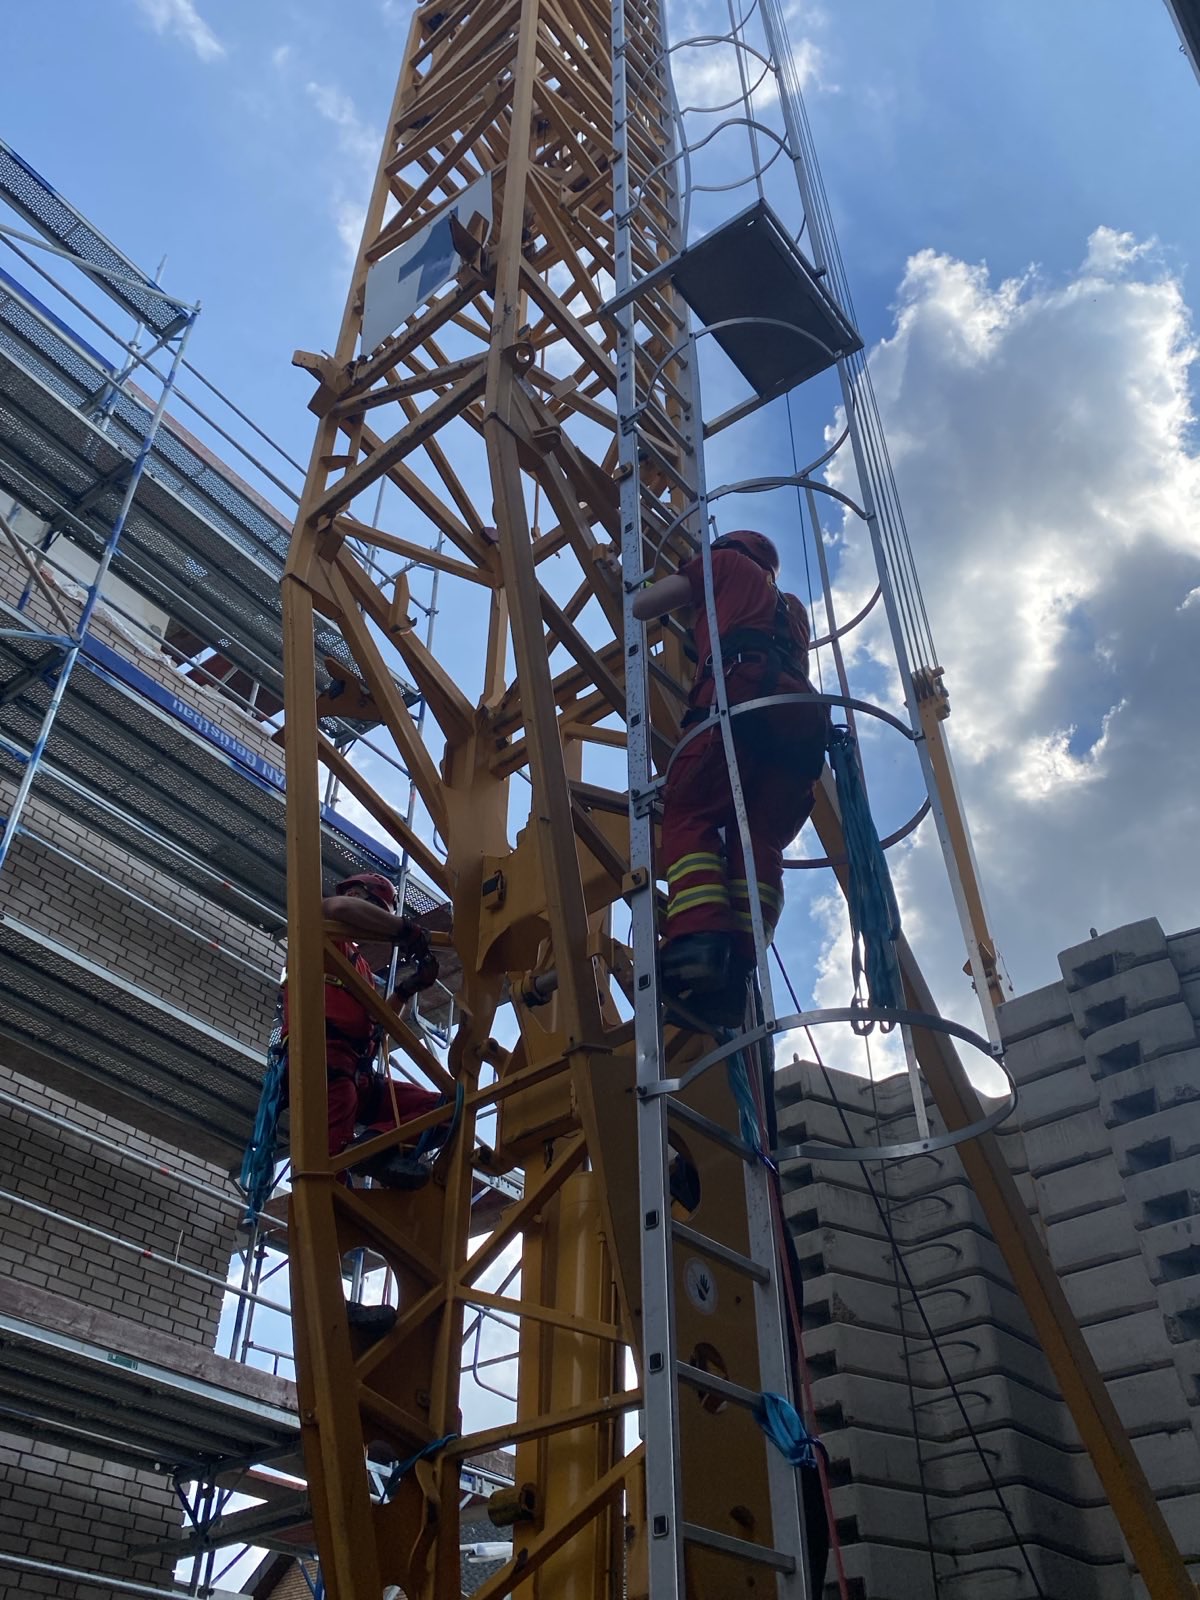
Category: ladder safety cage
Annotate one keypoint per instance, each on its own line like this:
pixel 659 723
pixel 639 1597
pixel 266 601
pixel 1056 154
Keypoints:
pixel 817 295
pixel 685 1554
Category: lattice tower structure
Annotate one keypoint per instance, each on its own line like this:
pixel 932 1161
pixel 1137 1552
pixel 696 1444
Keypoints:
pixel 498 398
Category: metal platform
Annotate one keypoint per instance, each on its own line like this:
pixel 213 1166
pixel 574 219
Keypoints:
pixel 766 305
pixel 1187 19
pixel 57 220
pixel 104 1385
pixel 197 543
pixel 155 1066
pixel 751 285
pixel 146 769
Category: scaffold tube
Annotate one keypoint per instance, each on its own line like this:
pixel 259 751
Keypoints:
pixel 144 1251
pixel 100 1581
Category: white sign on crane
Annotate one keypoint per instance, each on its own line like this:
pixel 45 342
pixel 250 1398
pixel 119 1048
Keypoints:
pixel 406 278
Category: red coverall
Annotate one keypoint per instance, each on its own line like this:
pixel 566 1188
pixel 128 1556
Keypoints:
pixel 780 753
pixel 358 1094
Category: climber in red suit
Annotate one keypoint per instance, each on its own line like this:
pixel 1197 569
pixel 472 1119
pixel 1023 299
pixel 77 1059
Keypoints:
pixel 358 1094
pixel 764 637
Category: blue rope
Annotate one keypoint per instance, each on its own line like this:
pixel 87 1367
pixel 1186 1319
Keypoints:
pixel 739 1083
pixel 258 1164
pixel 784 1426
pixel 436 1138
pixel 403 1468
pixel 874 914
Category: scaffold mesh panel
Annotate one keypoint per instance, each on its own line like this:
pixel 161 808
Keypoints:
pixel 141 1417
pixel 56 1001
pixel 24 188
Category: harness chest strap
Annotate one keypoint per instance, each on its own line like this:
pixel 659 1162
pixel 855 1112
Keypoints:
pixel 778 644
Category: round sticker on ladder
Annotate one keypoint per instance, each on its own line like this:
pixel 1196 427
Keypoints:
pixel 701 1286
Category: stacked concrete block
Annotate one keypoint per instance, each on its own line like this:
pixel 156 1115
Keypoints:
pixel 1118 1179
pixel 930 1476
pixel 1105 1148
pixel 1106 1152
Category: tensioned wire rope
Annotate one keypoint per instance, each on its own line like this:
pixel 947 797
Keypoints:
pixel 890 516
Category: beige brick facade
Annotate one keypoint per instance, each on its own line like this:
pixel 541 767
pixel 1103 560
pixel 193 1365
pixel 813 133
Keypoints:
pixel 98 900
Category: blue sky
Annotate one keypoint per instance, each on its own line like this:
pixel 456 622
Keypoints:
pixel 1004 132
pixel 1014 189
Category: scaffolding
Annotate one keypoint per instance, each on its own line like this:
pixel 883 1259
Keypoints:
pixel 140 698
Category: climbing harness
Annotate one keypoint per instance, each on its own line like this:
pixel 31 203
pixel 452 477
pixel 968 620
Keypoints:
pixel 783 648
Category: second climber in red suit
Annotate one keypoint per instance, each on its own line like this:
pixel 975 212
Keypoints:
pixel 360 1096
pixel 764 636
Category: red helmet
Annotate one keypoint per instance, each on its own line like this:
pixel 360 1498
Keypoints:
pixel 755 545
pixel 379 889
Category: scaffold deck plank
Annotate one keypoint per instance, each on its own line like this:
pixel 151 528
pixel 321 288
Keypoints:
pixel 96 1382
pixel 123 1048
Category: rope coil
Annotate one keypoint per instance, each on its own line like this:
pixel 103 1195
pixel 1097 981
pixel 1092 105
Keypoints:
pixel 870 896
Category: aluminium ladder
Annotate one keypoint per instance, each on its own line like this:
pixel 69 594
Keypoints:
pixel 677 1257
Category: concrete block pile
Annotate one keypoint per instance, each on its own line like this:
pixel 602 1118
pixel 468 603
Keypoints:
pixel 1105 1146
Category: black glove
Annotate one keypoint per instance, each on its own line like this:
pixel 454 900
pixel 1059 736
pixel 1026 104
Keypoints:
pixel 424 973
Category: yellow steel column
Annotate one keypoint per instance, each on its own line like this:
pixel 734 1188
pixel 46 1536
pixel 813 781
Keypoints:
pixel 570 1369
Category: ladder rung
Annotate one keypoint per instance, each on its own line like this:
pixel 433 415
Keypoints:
pixel 763 1553
pixel 711 1384
pixel 710 1129
pixel 721 1252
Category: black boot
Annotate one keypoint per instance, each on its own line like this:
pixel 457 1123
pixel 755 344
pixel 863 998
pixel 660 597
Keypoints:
pixel 693 965
pixel 724 1007
pixel 394 1169
pixel 368 1324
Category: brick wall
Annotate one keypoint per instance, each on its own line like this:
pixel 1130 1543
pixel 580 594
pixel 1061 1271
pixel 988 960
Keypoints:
pixel 291 1585
pixel 76 1511
pixel 232 988
pixel 59 1505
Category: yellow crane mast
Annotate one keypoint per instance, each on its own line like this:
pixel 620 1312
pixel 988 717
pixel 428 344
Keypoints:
pixel 476 373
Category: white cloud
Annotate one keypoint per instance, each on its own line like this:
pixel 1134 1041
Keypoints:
pixel 1042 439
pixel 180 18
pixel 354 137
pixel 358 155
pixel 707 76
pixel 281 56
pixel 1109 252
